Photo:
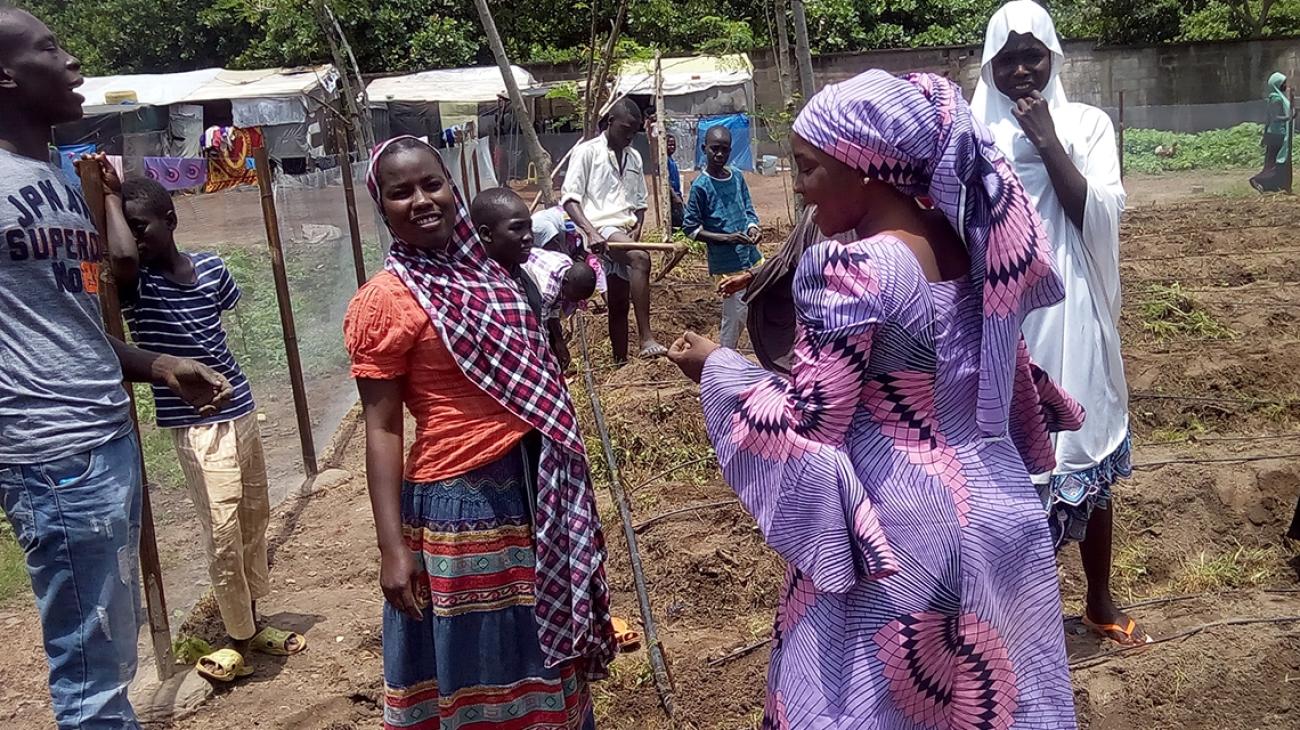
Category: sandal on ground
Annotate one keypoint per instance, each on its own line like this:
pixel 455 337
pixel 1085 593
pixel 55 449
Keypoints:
pixel 1130 634
pixel 652 351
pixel 223 665
pixel 624 636
pixel 276 642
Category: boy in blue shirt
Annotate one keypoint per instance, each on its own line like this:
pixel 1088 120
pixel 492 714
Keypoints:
pixel 721 214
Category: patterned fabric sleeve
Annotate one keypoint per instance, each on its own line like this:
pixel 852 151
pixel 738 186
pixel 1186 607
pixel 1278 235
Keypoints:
pixel 1039 408
pixel 781 443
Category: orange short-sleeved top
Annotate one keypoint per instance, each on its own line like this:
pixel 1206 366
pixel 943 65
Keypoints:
pixel 458 427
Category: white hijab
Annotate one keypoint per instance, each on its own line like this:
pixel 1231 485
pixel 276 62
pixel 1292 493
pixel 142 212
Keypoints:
pixel 1076 342
pixel 992 106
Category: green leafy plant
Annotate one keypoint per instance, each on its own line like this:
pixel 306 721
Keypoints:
pixel 1238 146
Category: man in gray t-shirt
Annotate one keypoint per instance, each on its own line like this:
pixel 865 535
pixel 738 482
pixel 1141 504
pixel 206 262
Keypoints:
pixel 69 461
pixel 60 383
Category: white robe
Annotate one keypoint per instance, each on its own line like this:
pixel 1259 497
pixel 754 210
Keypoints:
pixel 1077 341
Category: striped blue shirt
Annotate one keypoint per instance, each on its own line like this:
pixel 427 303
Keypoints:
pixel 185 320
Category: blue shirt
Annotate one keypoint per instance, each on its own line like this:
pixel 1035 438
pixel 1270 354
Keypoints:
pixel 723 206
pixel 185 320
pixel 674 176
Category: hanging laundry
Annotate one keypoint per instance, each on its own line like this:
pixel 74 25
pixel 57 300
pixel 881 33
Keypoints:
pixel 230 163
pixel 177 173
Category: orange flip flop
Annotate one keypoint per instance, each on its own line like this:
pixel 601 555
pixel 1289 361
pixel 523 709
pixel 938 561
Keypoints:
pixel 1122 635
pixel 624 636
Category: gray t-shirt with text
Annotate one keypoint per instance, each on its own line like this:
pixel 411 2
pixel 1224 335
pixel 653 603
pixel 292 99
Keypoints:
pixel 60 382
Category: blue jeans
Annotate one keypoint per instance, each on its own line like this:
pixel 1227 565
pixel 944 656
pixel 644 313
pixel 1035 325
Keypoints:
pixel 77 520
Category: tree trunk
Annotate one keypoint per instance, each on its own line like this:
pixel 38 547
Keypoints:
pixel 536 153
pixel 783 54
pixel 802 50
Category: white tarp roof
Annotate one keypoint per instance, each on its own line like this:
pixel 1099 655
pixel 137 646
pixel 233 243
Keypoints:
pixel 480 84
pixel 209 84
pixel 685 75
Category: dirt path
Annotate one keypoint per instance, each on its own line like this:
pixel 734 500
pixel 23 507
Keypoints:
pixel 1215 373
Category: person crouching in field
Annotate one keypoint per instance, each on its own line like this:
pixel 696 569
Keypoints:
pixel 492 560
pixel 173 302
pixel 720 213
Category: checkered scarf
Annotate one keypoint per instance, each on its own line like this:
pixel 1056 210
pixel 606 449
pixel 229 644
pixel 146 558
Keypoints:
pixel 487 325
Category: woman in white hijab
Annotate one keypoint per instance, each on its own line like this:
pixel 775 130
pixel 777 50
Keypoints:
pixel 1066 156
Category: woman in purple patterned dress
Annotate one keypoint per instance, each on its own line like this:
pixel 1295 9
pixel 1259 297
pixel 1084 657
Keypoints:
pixel 889 469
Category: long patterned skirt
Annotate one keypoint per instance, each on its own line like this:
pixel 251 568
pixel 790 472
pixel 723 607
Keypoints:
pixel 473 659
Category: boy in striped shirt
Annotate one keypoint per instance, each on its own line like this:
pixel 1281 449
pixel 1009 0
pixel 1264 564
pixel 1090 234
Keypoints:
pixel 173 302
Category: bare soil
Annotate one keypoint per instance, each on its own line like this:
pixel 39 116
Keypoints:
pixel 1209 531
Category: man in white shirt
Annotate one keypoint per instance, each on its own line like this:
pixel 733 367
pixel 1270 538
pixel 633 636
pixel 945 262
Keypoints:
pixel 605 196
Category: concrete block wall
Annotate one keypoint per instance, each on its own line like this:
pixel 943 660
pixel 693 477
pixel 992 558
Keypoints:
pixel 1181 87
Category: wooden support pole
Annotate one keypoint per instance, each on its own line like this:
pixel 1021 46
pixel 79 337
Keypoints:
pixel 1290 147
pixel 664 201
pixel 643 246
pixel 272 221
pixel 1121 135
pixel 92 186
pixel 783 55
pixel 343 138
pixel 807 86
pixel 536 153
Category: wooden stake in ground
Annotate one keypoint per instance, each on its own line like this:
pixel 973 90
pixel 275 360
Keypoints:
pixel 92 185
pixel 654 648
pixel 536 153
pixel 342 138
pixel 272 221
pixel 806 85
pixel 664 186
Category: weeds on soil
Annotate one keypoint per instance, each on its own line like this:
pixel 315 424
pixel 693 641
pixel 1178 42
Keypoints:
pixel 1171 313
pixel 1244 567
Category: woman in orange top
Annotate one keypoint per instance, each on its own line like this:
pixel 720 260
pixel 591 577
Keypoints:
pixel 492 559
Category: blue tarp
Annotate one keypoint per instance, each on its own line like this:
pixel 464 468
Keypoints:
pixel 68 156
pixel 742 147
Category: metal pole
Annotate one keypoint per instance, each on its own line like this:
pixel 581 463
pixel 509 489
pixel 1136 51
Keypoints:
pixel 92 185
pixel 272 221
pixel 343 138
pixel 665 198
pixel 654 648
pixel 1121 135
pixel 807 86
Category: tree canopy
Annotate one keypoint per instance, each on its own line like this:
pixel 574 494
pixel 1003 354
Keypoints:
pixel 139 36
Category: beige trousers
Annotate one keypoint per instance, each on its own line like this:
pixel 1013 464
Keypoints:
pixel 225 472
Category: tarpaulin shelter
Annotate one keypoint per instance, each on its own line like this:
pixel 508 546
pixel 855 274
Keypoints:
pixel 425 103
pixel 698 88
pixel 460 110
pixel 162 117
